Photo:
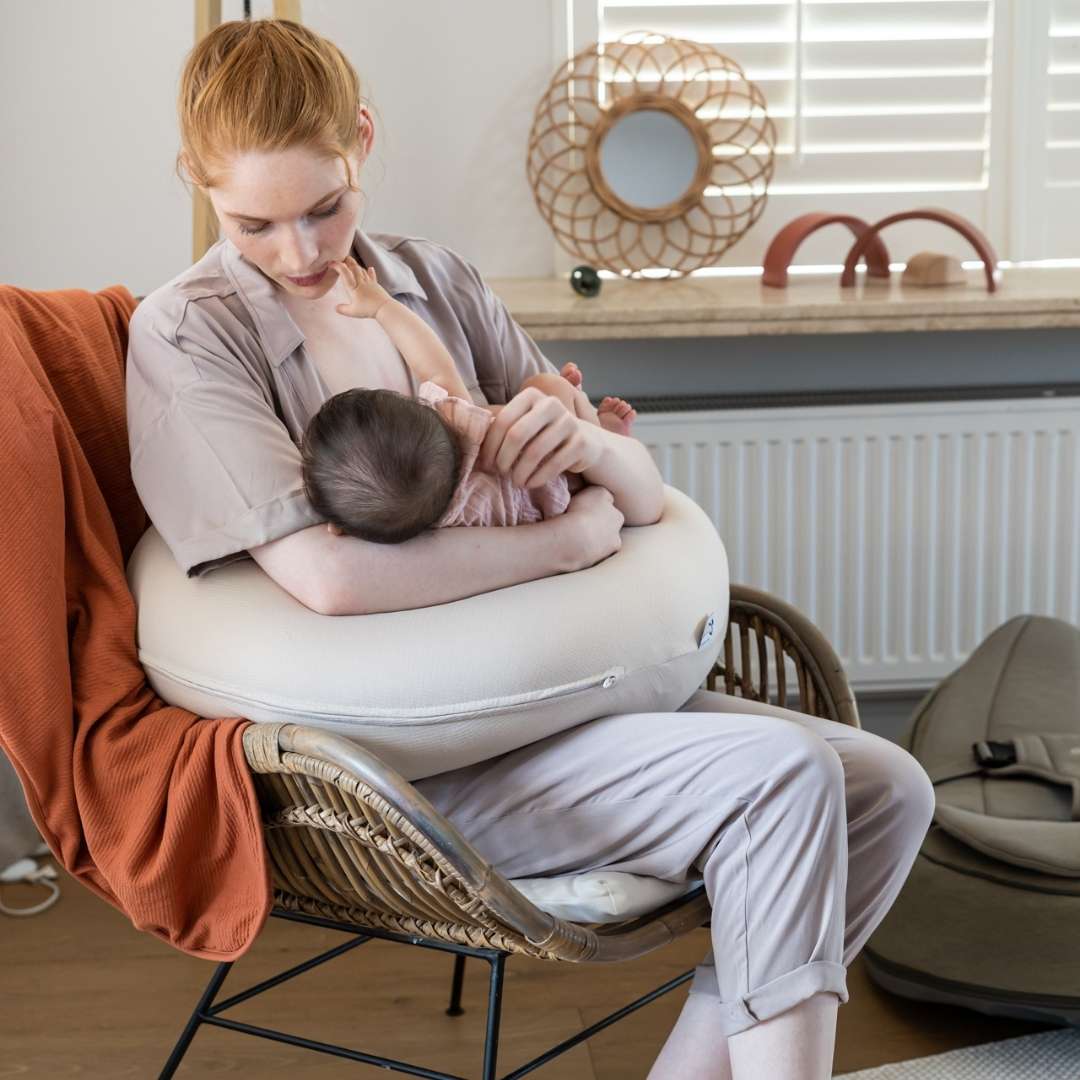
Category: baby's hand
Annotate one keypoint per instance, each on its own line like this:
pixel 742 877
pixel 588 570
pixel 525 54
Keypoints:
pixel 366 295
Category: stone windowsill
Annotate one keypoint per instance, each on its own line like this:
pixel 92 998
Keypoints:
pixel 1026 297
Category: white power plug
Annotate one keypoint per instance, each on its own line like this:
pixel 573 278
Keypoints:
pixel 18 871
pixel 29 872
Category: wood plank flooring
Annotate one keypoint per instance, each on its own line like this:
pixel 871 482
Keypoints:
pixel 83 994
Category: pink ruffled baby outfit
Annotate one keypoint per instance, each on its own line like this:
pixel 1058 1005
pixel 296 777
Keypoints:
pixel 483 498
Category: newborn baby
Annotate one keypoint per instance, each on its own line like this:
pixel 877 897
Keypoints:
pixel 384 467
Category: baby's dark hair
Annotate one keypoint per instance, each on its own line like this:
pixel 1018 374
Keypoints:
pixel 380 465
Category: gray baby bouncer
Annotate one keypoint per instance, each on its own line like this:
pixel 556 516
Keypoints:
pixel 987 918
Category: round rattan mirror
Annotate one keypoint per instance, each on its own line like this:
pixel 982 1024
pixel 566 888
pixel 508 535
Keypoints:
pixel 651 155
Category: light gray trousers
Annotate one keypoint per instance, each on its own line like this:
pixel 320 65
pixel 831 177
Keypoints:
pixel 803 829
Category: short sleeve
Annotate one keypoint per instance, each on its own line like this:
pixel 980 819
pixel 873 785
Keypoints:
pixel 465 417
pixel 213 464
pixel 498 343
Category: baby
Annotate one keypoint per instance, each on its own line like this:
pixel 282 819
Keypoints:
pixel 384 467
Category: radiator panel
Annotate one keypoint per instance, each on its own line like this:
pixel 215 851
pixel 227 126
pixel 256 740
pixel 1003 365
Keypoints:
pixel 907 532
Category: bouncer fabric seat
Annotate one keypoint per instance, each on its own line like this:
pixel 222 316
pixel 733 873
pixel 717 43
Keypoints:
pixel 988 917
pixel 442 687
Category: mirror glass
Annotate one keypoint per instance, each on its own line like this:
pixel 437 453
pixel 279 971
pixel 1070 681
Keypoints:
pixel 648 158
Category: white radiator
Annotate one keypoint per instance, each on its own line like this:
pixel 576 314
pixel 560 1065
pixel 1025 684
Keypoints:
pixel 906 532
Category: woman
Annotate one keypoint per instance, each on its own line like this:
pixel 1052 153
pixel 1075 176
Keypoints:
pixel 803 829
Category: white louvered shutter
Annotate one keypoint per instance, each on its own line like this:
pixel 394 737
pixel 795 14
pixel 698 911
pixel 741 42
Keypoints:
pixel 1060 217
pixel 885 106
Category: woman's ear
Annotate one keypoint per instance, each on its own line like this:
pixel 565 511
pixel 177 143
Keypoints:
pixel 335 529
pixel 365 132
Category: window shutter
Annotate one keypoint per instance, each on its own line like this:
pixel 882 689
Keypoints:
pixel 879 105
pixel 1061 217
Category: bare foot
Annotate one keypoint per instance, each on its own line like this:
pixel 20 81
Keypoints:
pixel 571 373
pixel 616 415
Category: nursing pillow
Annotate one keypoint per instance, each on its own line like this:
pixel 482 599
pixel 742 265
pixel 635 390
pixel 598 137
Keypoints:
pixel 437 688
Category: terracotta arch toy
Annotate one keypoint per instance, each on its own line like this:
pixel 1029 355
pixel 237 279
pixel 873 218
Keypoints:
pixel 946 217
pixel 789 239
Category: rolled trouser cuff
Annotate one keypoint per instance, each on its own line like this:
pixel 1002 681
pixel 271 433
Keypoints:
pixel 776 997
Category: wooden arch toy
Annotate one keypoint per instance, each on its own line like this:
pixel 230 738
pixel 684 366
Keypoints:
pixel 789 239
pixel 946 217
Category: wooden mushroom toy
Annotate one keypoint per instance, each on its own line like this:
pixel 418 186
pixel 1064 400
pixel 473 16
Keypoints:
pixel 931 269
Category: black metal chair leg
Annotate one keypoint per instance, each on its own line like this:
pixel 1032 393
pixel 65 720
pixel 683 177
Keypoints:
pixel 455 987
pixel 491 1040
pixel 212 988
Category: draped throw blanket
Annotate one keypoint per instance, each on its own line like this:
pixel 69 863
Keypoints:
pixel 148 805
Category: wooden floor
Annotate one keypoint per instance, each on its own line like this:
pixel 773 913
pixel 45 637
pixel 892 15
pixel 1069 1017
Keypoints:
pixel 82 994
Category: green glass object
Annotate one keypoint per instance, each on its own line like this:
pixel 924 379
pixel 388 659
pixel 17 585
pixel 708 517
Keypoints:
pixel 585 281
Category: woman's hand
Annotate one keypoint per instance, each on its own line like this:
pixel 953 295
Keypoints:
pixel 534 438
pixel 366 295
pixel 592 523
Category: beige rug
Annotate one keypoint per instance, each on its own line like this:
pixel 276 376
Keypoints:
pixel 1048 1055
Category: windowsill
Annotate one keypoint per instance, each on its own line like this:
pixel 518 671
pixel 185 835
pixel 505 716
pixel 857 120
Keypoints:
pixel 1026 297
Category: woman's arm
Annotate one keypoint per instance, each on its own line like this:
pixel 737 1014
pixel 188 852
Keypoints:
pixel 534 438
pixel 626 468
pixel 343 575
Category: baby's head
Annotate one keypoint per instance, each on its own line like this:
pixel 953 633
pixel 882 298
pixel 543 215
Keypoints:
pixel 379 465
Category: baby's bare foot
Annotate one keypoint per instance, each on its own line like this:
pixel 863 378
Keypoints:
pixel 571 373
pixel 616 415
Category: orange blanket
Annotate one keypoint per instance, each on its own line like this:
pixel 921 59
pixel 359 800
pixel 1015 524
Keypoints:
pixel 149 806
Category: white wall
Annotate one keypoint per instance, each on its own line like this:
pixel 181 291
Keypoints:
pixel 88 193
pixel 455 85
pixel 87 123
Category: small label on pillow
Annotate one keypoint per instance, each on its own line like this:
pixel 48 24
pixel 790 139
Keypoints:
pixel 709 632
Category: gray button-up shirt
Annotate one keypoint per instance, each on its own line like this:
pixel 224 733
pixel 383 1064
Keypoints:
pixel 220 389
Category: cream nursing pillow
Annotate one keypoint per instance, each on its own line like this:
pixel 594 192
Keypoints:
pixel 438 688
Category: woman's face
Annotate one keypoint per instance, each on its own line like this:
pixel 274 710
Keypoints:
pixel 290 213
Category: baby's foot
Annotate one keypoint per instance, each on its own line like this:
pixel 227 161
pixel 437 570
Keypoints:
pixel 571 373
pixel 616 415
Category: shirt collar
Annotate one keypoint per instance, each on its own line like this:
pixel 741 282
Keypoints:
pixel 279 334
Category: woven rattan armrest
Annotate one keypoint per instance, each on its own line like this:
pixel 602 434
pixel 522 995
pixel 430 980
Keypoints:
pixel 757 620
pixel 349 838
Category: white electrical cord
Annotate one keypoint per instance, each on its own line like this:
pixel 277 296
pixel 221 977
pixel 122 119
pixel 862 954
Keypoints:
pixel 29 872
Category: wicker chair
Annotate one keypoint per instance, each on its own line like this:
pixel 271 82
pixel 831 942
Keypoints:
pixel 356 848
